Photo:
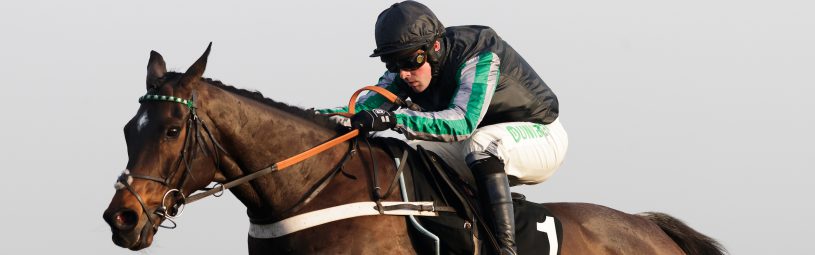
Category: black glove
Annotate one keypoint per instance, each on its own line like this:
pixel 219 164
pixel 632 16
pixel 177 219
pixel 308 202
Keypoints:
pixel 373 120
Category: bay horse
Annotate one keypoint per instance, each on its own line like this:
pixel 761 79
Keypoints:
pixel 191 131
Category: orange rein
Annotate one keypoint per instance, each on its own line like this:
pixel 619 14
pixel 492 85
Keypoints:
pixel 333 142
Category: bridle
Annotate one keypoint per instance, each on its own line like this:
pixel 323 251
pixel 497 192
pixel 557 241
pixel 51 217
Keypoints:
pixel 187 154
pixel 194 127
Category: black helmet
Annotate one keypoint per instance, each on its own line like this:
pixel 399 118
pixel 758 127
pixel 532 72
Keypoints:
pixel 404 26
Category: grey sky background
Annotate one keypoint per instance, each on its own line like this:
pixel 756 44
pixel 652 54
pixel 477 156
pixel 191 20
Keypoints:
pixel 700 109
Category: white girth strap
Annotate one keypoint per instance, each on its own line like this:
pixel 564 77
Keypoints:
pixel 340 212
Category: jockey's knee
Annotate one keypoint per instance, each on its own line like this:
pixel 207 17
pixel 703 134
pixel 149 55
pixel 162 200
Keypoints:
pixel 482 144
pixel 484 163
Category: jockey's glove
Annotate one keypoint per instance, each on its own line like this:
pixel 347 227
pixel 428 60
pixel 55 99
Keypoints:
pixel 373 120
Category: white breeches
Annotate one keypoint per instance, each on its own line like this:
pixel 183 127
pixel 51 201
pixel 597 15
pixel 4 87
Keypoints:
pixel 531 152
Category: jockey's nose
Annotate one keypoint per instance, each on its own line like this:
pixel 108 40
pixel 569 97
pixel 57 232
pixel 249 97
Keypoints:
pixel 404 74
pixel 122 220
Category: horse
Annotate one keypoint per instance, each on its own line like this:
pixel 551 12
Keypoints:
pixel 191 131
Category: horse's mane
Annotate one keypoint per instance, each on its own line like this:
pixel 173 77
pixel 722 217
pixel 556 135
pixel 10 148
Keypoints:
pixel 307 114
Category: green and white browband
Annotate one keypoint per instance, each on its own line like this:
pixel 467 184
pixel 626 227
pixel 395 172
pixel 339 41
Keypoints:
pixel 149 97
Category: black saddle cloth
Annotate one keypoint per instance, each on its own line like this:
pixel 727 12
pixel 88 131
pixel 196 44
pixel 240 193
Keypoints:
pixel 428 178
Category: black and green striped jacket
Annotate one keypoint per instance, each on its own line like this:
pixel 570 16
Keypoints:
pixel 482 81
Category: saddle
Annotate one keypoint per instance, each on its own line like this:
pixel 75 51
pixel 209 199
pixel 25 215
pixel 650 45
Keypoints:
pixel 428 178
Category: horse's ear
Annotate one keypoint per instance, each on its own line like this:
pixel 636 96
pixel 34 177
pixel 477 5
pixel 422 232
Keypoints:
pixel 156 68
pixel 196 71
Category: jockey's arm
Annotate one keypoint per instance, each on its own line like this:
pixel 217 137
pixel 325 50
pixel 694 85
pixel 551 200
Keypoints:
pixel 477 79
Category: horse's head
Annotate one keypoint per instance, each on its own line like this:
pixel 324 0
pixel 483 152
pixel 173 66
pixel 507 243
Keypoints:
pixel 170 155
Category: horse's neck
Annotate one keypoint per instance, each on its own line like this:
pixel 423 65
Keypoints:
pixel 255 136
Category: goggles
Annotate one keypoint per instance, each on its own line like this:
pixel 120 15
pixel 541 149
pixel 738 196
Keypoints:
pixel 408 63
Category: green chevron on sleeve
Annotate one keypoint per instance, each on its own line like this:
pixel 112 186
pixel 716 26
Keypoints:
pixel 333 110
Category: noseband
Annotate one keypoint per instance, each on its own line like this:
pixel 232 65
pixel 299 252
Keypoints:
pixel 194 127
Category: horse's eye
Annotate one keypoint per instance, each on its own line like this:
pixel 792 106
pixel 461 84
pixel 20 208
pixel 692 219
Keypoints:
pixel 173 132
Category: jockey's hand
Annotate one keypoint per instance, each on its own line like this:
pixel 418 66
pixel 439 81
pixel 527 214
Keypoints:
pixel 373 120
pixel 341 120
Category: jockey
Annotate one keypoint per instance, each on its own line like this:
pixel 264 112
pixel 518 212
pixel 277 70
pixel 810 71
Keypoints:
pixel 481 103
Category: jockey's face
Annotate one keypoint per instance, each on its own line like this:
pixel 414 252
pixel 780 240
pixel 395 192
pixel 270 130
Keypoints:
pixel 418 79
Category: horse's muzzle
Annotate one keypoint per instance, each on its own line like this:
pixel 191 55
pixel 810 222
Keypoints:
pixel 122 220
pixel 123 226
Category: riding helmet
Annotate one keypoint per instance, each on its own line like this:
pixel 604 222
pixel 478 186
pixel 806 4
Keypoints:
pixel 405 26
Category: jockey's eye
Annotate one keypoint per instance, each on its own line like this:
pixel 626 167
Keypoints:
pixel 173 132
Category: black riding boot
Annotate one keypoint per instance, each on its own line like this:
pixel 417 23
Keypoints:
pixel 496 201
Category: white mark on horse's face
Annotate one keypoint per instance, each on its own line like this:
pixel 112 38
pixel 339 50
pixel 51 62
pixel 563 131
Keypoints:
pixel 142 121
pixel 119 185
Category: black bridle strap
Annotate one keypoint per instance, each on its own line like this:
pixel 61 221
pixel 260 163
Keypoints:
pixel 147 177
pixel 215 144
pixel 186 158
pixel 141 201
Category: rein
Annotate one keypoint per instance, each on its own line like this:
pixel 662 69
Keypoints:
pixel 194 123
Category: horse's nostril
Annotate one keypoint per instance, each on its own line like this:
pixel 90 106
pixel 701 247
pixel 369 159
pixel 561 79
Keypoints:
pixel 124 220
